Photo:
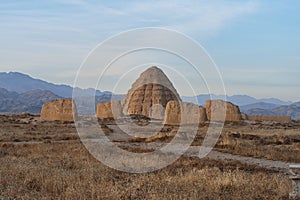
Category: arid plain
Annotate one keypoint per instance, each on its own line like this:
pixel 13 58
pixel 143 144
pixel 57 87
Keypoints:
pixel 46 160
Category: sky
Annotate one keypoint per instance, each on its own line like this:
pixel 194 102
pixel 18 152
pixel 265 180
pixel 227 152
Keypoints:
pixel 255 44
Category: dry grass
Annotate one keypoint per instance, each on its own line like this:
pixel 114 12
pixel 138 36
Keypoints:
pixel 67 171
pixel 31 129
pixel 59 166
pixel 271 141
pixel 272 148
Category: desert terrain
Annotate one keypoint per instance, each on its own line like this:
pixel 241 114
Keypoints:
pixel 47 160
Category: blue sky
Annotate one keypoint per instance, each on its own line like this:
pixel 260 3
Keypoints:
pixel 255 44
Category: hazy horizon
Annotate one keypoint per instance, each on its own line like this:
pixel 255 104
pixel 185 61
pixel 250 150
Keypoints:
pixel 123 93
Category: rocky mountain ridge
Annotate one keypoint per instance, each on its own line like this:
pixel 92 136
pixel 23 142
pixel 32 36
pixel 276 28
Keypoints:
pixel 31 102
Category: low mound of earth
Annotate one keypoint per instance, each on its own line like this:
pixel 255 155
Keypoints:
pixel 218 110
pixel 59 110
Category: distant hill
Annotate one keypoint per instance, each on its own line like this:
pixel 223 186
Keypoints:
pixel 259 105
pixel 275 101
pixel 5 94
pixel 31 102
pixel 21 83
pixel 240 100
pixel 259 112
pixel 296 104
pixel 290 110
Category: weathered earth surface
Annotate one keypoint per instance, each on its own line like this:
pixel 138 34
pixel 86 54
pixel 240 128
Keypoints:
pixel 282 119
pixel 150 94
pixel 109 109
pixel 244 116
pixel 58 110
pixel 184 113
pixel 219 110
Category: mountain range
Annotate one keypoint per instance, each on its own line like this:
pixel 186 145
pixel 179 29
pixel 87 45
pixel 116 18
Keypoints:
pixel 292 110
pixel 21 83
pixel 31 102
pixel 21 93
pixel 240 100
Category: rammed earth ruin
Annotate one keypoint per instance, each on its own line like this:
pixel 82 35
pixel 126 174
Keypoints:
pixel 153 95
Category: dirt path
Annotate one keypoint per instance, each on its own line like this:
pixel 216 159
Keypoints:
pixel 261 162
pixel 193 151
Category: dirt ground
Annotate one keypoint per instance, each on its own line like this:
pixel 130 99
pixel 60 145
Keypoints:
pixel 47 160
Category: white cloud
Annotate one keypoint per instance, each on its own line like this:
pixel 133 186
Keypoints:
pixel 201 17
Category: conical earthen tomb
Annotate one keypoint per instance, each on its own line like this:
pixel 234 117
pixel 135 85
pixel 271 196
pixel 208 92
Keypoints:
pixel 150 94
